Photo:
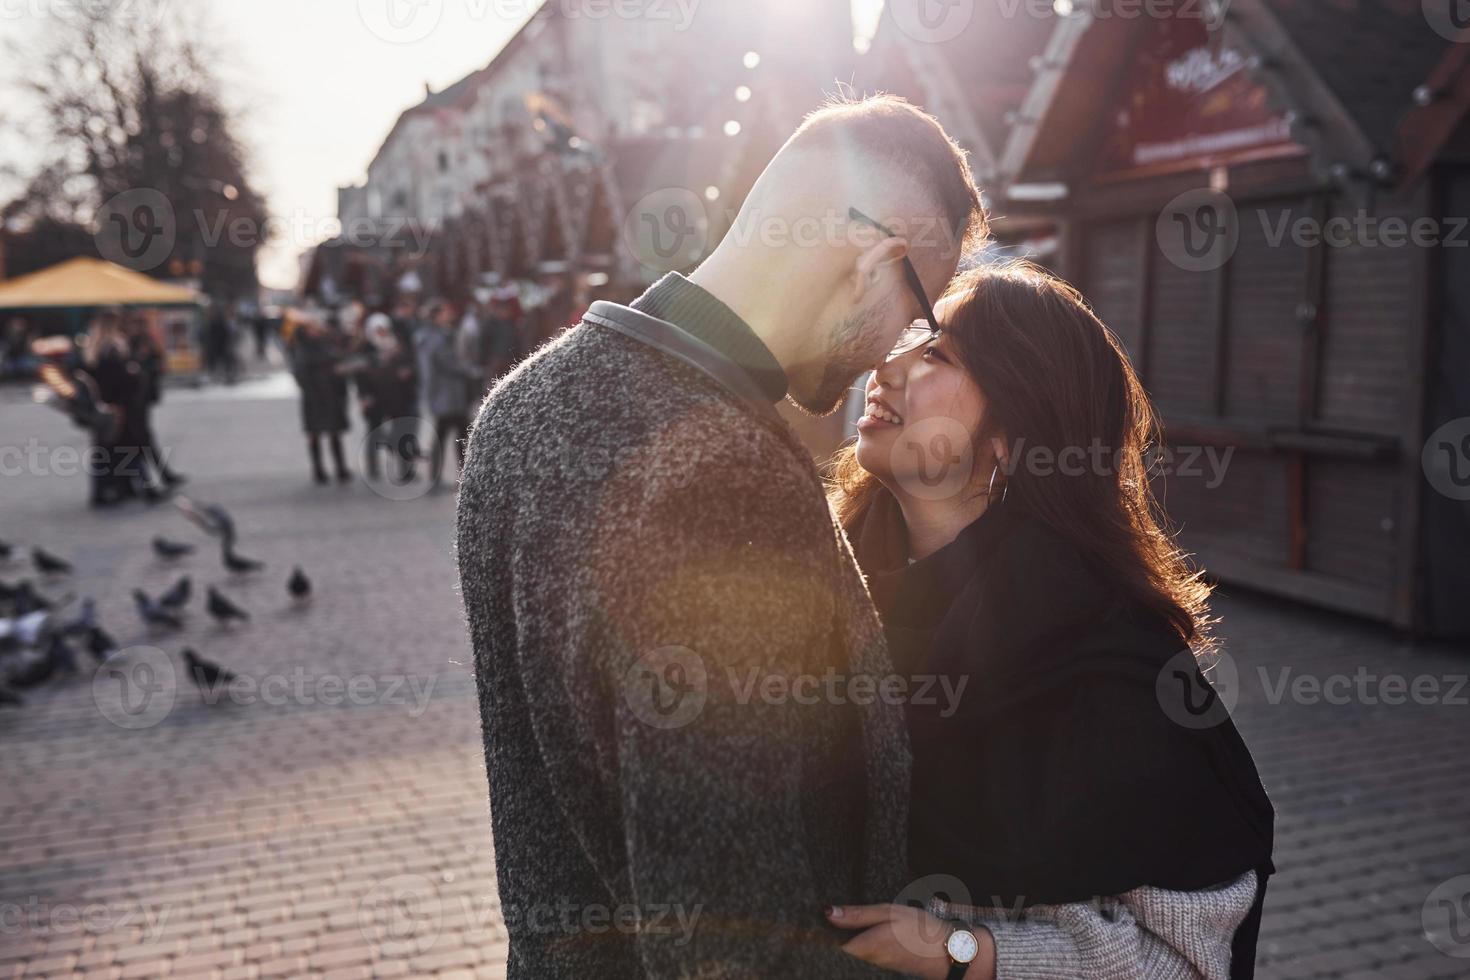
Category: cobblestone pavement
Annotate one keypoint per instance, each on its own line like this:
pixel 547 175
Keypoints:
pixel 333 821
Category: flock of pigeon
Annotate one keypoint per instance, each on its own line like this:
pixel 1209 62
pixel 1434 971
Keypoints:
pixel 39 638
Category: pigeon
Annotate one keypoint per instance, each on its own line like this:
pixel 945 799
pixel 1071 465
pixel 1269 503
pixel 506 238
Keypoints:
pixel 178 596
pixel 48 564
pixel 221 608
pixel 33 672
pixel 152 613
pixel 61 652
pixel 299 585
pixel 28 630
pixel 239 563
pixel 164 548
pixel 84 620
pixel 208 677
pixel 100 644
pixel 213 519
pixel 6 549
pixel 26 599
pixel 9 699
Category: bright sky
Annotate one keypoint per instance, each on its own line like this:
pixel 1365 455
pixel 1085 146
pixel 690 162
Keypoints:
pixel 319 88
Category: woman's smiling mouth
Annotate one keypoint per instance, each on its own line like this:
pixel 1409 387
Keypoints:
pixel 879 413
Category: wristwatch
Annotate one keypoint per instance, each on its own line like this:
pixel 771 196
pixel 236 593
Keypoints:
pixel 962 947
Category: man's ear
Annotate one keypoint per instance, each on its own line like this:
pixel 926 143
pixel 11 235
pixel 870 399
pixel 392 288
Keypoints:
pixel 872 263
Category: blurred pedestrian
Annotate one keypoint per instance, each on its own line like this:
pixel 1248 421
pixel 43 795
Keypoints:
pixel 450 385
pixel 117 378
pixel 145 351
pixel 317 351
pixel 260 329
pixel 219 343
pixel 388 393
pixel 16 359
pixel 491 338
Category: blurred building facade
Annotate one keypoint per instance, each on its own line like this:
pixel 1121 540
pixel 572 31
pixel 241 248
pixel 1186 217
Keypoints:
pixel 524 169
pixel 1175 166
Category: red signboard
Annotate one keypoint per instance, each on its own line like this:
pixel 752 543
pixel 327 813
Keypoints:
pixel 1191 103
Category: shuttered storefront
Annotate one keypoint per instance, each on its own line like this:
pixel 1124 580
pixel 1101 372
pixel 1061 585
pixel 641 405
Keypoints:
pixel 1301 360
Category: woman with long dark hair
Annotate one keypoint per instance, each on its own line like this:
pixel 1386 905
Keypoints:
pixel 1081 804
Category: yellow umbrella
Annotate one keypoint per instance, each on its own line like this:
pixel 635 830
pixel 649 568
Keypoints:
pixel 90 282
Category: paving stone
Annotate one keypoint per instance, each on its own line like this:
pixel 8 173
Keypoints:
pixel 263 829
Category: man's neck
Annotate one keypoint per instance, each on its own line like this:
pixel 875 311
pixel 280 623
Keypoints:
pixel 765 306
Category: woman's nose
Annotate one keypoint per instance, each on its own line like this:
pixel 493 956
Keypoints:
pixel 890 373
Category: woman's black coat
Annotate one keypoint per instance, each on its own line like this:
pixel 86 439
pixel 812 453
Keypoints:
pixel 1085 754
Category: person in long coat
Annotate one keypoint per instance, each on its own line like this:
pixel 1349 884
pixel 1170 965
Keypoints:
pixel 317 351
pixel 118 383
pixel 450 385
pixel 146 352
pixel 388 393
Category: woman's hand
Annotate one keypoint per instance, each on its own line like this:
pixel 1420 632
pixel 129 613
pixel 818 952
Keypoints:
pixel 907 940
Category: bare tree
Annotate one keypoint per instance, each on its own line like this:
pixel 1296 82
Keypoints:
pixel 130 100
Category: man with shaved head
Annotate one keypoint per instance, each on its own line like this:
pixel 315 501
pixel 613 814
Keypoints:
pixel 691 736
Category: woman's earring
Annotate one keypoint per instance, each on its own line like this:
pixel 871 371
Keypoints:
pixel 1004 490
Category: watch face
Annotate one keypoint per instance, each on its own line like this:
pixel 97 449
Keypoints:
pixel 962 946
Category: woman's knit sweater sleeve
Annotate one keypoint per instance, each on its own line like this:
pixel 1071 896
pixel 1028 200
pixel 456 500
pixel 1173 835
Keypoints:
pixel 1143 934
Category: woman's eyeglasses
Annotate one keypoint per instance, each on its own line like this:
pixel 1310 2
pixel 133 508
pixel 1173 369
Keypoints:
pixel 916 335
